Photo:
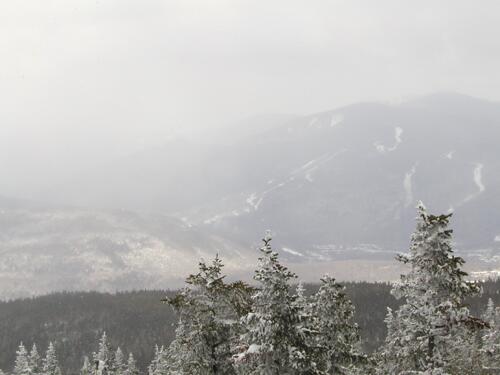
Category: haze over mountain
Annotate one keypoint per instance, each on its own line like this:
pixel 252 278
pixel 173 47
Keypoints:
pixel 347 176
pixel 338 188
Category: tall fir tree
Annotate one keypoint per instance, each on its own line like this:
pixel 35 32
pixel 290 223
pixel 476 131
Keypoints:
pixel 50 362
pixel 104 358
pixel 22 366
pixel 423 331
pixel 87 368
pixel 491 338
pixel 274 342
pixel 119 364
pixel 35 361
pixel 336 339
pixel 161 364
pixel 209 310
pixel 131 368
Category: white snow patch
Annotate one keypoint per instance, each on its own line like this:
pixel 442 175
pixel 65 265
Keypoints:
pixel 478 177
pixel 253 348
pixel 449 155
pixel 407 184
pixel 397 141
pixel 221 216
pixel 336 119
pixel 485 275
pixel 497 238
pixel 478 181
pixel 308 175
pixel 293 252
pixel 380 148
pixel 254 201
pixel 397 136
pixel 186 222
pixel 212 219
pixel 313 165
pixel 313 122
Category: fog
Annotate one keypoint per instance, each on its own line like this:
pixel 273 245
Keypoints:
pixel 85 82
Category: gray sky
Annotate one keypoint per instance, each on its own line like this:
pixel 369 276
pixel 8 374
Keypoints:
pixel 83 81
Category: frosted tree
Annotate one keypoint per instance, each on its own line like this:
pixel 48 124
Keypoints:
pixel 35 361
pixel 336 336
pixel 87 368
pixel 22 366
pixel 429 324
pixel 209 311
pixel 131 368
pixel 158 363
pixel 50 362
pixel 119 365
pixel 491 337
pixel 274 342
pixel 104 358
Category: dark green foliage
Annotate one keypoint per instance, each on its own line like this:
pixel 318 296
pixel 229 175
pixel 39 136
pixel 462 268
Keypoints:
pixel 136 321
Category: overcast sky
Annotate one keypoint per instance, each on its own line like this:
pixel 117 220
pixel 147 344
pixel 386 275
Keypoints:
pixel 82 80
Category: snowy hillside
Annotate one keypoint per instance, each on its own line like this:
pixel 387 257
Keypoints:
pixel 343 179
pixel 43 249
pixel 337 188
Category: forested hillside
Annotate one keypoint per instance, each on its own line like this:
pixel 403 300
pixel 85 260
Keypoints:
pixel 136 321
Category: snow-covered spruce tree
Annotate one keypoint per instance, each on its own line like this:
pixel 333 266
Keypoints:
pixel 426 328
pixel 50 362
pixel 336 338
pixel 131 366
pixel 35 361
pixel 209 313
pixel 104 358
pixel 159 364
pixel 87 368
pixel 119 362
pixel 275 340
pixel 22 366
pixel 491 338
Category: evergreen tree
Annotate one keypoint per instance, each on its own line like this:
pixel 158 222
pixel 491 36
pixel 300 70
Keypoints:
pixel 274 342
pixel 131 368
pixel 161 365
pixel 87 368
pixel 22 366
pixel 50 362
pixel 491 338
pixel 336 337
pixel 155 361
pixel 209 311
pixel 119 362
pixel 35 362
pixel 104 358
pixel 424 330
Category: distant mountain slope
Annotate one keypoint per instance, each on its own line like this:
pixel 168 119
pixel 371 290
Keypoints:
pixel 43 249
pixel 343 178
pixel 350 178
pixel 338 189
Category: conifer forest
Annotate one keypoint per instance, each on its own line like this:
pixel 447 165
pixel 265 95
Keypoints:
pixel 278 325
